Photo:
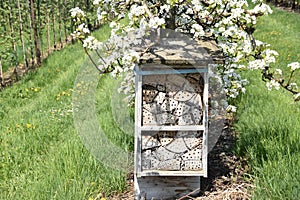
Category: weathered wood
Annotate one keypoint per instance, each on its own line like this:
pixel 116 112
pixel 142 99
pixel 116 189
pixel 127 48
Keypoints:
pixel 171 119
pixel 169 187
pixel 205 122
pixel 173 128
pixel 172 150
pixel 138 120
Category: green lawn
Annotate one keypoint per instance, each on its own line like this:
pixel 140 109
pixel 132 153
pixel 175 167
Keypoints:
pixel 267 122
pixel 41 155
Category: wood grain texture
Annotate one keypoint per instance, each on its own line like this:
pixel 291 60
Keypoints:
pixel 168 187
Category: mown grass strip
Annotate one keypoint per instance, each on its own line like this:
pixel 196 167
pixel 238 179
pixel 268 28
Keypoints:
pixel 41 154
pixel 268 122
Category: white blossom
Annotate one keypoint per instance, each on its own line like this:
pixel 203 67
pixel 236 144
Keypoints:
pixel 257 64
pixel 156 22
pixel 293 86
pixel 77 12
pixel 197 30
pixel 297 97
pixel 165 9
pixel 231 108
pixel 136 11
pixel 273 84
pixel 278 71
pixel 294 66
pixel 262 9
pixel 96 2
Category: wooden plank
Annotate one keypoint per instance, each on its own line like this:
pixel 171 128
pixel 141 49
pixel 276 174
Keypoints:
pixel 205 122
pixel 138 121
pixel 168 187
pixel 173 71
pixel 173 128
pixel 171 173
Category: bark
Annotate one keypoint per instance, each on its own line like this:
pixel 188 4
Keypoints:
pixel 35 33
pixel 30 35
pixel 171 23
pixel 1 73
pixel 53 24
pixel 48 28
pixel 40 26
pixel 65 20
pixel 13 40
pixel 22 35
pixel 60 25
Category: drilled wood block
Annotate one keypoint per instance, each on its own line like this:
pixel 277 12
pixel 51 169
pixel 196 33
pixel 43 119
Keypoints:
pixel 148 118
pixel 173 104
pixel 193 154
pixel 149 95
pixel 185 120
pixel 165 106
pixel 161 96
pixel 151 161
pixel 190 165
pixel 151 107
pixel 181 109
pixel 197 115
pixel 169 150
pixel 166 137
pixel 183 96
pixel 165 119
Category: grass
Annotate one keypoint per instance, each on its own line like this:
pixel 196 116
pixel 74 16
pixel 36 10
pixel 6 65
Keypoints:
pixel 267 122
pixel 41 155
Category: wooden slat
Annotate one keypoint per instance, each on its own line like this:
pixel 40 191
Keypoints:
pixel 205 122
pixel 138 121
pixel 171 173
pixel 168 187
pixel 173 128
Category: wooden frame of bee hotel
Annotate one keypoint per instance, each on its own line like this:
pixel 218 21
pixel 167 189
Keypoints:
pixel 171 119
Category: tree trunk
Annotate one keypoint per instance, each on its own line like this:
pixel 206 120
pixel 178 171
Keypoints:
pixel 65 20
pixel 31 43
pixel 1 73
pixel 48 28
pixel 171 22
pixel 21 35
pixel 13 41
pixel 35 33
pixel 40 27
pixel 60 25
pixel 53 24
